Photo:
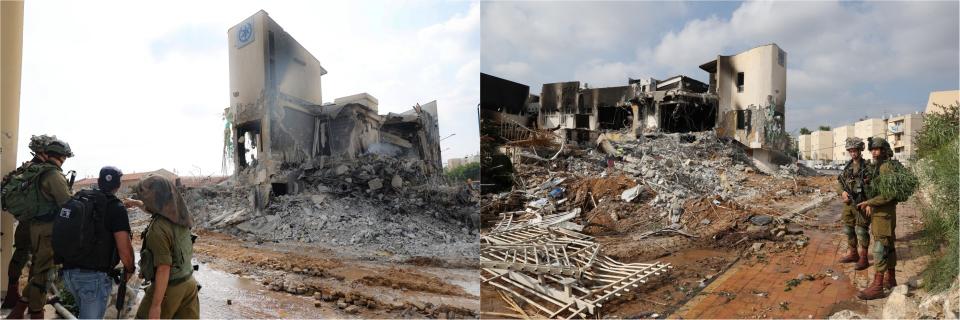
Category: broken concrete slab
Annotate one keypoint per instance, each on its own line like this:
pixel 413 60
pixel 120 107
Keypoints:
pixel 761 220
pixel 847 314
pixel 396 182
pixel 630 194
pixel 375 184
pixel 898 305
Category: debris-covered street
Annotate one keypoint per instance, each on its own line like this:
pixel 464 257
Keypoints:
pixel 353 253
pixel 691 201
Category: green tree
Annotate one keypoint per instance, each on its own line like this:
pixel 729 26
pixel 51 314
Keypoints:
pixel 461 173
pixel 824 128
pixel 937 166
pixel 804 131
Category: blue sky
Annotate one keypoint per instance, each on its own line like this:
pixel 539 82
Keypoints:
pixel 143 85
pixel 846 60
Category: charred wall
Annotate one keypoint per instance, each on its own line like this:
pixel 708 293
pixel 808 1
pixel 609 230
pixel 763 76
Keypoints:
pixel 502 95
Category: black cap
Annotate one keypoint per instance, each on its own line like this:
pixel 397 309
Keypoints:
pixel 109 178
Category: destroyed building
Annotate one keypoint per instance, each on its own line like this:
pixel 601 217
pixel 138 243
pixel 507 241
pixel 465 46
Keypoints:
pixel 278 125
pixel 752 91
pixel 744 101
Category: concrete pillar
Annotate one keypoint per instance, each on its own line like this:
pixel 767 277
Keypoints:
pixel 11 55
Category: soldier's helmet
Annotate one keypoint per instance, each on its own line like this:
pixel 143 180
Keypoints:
pixel 882 144
pixel 38 144
pixel 59 147
pixel 879 143
pixel 854 143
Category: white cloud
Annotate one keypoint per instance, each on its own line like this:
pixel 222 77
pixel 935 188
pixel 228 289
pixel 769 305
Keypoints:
pixel 541 42
pixel 143 85
pixel 849 58
pixel 512 69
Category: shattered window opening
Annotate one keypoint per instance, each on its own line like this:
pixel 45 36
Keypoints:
pixel 582 121
pixel 615 118
pixel 248 143
pixel 739 81
pixel 278 189
pixel 685 117
pixel 743 118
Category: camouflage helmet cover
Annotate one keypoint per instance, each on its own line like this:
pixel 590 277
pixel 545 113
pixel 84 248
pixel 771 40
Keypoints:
pixel 882 144
pixel 38 144
pixel 60 147
pixel 879 143
pixel 854 143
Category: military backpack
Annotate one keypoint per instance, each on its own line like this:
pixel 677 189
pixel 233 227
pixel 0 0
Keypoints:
pixel 21 194
pixel 80 235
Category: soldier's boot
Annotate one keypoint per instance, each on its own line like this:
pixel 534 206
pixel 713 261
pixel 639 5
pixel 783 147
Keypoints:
pixel 850 257
pixel 890 279
pixel 862 262
pixel 875 290
pixel 36 314
pixel 13 294
pixel 18 310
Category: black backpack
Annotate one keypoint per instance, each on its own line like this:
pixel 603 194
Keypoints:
pixel 80 235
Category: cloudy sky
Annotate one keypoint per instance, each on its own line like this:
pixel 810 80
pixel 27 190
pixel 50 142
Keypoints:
pixel 143 85
pixel 845 60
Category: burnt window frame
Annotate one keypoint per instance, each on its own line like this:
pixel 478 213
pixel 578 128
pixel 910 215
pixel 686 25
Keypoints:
pixel 743 119
pixel 740 81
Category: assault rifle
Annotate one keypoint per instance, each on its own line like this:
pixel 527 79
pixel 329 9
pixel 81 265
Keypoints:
pixel 121 278
pixel 856 194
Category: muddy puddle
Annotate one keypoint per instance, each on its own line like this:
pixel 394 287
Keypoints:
pixel 248 299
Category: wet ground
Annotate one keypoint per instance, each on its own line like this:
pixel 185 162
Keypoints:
pixel 249 299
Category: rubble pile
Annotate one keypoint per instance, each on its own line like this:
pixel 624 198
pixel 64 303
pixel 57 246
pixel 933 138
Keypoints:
pixel 684 166
pixel 379 205
pixel 688 188
pixel 660 172
pixel 544 262
pixel 636 200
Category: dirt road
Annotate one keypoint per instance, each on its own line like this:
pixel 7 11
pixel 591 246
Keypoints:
pixel 307 281
pixel 805 283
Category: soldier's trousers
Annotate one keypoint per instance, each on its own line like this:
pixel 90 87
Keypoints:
pixel 41 234
pixel 855 227
pixel 181 301
pixel 21 251
pixel 884 251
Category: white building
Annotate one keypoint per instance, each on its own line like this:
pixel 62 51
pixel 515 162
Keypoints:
pixel 840 136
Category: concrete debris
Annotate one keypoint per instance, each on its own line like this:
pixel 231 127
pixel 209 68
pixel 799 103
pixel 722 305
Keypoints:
pixel 424 217
pixel 847 314
pixel 375 184
pixel 651 165
pixel 898 305
pixel 396 182
pixel 630 194
pixel 761 220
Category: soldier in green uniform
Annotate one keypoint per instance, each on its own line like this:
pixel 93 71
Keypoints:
pixel 856 225
pixel 882 211
pixel 21 237
pixel 166 254
pixel 54 193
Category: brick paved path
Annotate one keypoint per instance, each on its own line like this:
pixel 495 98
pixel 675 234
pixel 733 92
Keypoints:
pixel 738 292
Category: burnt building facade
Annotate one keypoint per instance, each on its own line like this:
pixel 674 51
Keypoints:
pixel 278 125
